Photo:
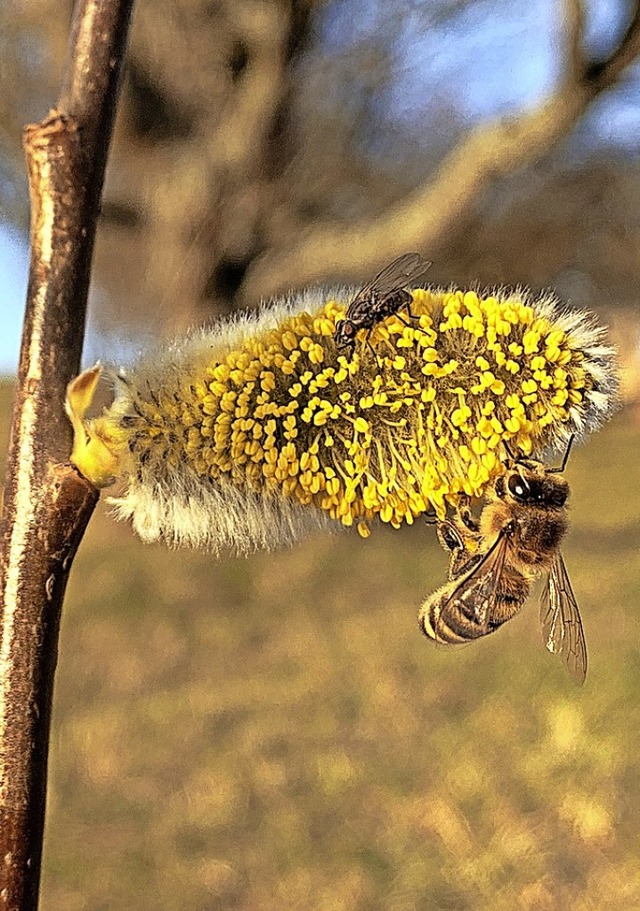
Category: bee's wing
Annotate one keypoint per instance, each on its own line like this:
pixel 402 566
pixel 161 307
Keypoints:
pixel 474 597
pixel 562 630
pixel 397 275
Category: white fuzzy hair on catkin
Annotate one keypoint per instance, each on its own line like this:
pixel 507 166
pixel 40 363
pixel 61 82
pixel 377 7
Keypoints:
pixel 599 362
pixel 181 508
pixel 181 512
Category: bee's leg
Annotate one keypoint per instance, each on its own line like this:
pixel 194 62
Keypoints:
pixel 469 520
pixel 461 559
pixel 449 537
pixel 465 516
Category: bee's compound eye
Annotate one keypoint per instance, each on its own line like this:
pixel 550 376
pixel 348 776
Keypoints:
pixel 518 487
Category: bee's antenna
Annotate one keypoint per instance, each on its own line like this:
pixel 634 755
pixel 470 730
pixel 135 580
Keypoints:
pixel 565 457
pixel 509 452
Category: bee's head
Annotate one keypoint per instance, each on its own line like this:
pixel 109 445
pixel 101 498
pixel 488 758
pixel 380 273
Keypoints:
pixel 345 333
pixel 530 484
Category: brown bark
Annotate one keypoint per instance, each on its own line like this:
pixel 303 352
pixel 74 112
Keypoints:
pixel 46 504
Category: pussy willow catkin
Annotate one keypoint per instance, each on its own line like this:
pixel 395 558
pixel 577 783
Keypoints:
pixel 248 434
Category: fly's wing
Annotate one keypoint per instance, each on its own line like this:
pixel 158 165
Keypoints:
pixel 401 272
pixel 466 614
pixel 562 630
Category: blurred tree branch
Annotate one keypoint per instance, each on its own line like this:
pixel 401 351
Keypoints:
pixel 425 218
pixel 255 152
pixel 47 504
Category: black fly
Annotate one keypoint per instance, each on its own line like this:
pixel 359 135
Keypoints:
pixel 384 296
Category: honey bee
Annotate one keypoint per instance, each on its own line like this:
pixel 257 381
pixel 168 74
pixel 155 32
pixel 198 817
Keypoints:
pixel 495 559
pixel 385 295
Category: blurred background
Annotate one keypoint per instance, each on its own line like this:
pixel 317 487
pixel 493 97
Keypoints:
pixel 273 732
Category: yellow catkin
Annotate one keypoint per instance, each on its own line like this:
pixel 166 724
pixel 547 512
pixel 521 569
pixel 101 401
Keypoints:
pixel 416 416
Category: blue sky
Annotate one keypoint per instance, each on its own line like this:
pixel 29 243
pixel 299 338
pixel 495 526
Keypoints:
pixel 14 266
pixel 496 57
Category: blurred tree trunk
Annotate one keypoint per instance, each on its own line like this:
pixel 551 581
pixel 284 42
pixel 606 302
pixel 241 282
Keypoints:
pixel 205 138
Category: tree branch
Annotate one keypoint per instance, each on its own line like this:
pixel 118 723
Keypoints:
pixel 574 22
pixel 425 218
pixel 47 504
pixel 603 73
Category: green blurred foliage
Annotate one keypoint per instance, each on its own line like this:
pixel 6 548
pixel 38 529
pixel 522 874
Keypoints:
pixel 275 733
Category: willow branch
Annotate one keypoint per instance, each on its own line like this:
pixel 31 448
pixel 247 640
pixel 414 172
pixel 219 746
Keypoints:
pixel 424 219
pixel 47 504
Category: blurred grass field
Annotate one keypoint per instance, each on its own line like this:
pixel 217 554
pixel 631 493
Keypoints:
pixel 274 732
